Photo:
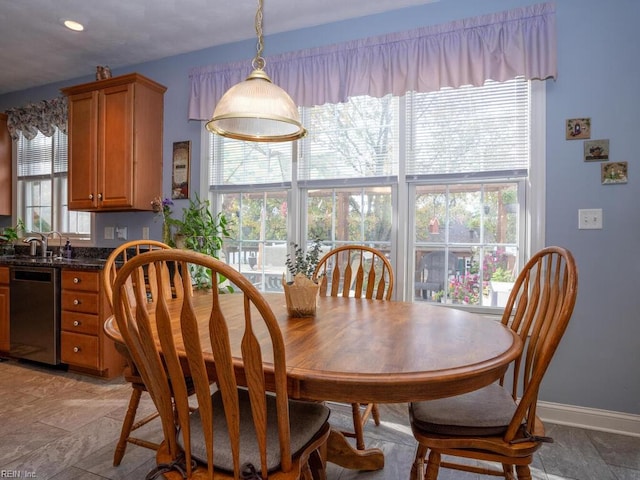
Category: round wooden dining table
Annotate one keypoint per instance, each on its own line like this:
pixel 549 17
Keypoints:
pixel 359 350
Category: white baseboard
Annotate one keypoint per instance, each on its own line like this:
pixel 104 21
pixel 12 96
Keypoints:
pixel 590 418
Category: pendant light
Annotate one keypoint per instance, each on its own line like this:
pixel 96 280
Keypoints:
pixel 257 110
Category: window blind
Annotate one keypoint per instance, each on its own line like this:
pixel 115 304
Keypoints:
pixel 42 156
pixel 469 130
pixel 356 139
pixel 234 162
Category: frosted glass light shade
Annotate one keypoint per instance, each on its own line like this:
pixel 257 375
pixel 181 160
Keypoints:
pixel 256 110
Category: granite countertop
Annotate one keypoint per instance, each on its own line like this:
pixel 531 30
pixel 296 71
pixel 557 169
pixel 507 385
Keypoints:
pixel 88 258
pixel 28 261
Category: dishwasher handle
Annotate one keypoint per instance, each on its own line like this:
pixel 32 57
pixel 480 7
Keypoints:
pixel 36 275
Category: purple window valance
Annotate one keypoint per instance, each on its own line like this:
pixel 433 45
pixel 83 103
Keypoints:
pixel 500 46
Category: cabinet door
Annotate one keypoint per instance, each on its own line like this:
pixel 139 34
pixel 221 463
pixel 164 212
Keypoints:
pixel 115 147
pixel 5 343
pixel 5 167
pixel 83 150
pixel 4 319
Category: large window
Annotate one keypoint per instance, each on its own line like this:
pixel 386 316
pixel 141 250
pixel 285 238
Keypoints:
pixel 440 182
pixel 42 187
pixel 467 165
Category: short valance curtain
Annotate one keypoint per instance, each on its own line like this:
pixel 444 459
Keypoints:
pixel 500 47
pixel 44 116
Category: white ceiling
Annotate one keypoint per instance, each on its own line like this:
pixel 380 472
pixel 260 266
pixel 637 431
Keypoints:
pixel 35 49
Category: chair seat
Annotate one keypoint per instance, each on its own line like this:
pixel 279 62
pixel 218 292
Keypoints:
pixel 483 412
pixel 306 421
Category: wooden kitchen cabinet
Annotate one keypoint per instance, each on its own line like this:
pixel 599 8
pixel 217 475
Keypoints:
pixel 115 143
pixel 83 344
pixel 5 167
pixel 5 343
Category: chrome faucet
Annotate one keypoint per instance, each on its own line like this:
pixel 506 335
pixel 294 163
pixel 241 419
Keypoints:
pixel 43 244
pixel 34 241
pixel 61 247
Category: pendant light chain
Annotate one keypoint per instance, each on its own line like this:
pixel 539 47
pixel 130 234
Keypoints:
pixel 258 62
pixel 257 110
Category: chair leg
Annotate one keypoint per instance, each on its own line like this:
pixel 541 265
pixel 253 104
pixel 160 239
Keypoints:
pixel 375 413
pixel 523 472
pixel 360 419
pixel 127 423
pixel 357 425
pixel 317 465
pixel 305 473
pixel 507 471
pixel 417 469
pixel 433 465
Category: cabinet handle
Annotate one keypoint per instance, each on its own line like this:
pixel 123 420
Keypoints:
pixel 76 349
pixel 91 196
pixel 99 196
pixel 76 280
pixel 76 323
pixel 76 302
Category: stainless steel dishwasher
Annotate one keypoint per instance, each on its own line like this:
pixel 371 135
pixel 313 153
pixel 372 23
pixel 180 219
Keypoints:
pixel 35 313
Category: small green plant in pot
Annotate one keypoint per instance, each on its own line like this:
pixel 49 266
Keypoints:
pixel 202 232
pixel 301 293
pixel 304 262
pixel 8 235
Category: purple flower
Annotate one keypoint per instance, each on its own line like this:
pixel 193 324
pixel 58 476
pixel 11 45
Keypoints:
pixel 163 207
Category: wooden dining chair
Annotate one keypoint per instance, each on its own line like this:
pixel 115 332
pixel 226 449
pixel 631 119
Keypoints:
pixel 362 272
pixel 498 423
pixel 118 257
pixel 248 423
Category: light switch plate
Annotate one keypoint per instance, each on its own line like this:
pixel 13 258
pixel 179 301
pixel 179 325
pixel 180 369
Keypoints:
pixel 590 219
pixel 109 233
pixel 145 233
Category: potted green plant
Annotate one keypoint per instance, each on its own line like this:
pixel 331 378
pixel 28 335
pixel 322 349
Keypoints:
pixel 301 293
pixel 201 231
pixel 304 262
pixel 8 235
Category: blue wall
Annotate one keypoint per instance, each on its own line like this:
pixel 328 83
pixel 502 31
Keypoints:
pixel 599 66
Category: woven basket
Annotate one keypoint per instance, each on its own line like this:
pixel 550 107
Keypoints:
pixel 301 296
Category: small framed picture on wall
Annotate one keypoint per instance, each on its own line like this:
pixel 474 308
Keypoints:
pixel 613 173
pixel 578 128
pixel 180 171
pixel 596 150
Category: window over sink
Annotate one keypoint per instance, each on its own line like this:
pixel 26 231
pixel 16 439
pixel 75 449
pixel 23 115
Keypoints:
pixel 42 187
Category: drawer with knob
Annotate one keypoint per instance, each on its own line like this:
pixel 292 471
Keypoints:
pixel 84 306
pixel 80 323
pixel 80 280
pixel 78 301
pixel 80 350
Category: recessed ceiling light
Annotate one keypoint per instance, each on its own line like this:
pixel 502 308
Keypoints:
pixel 75 26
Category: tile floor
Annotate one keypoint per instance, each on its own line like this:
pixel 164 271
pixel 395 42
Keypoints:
pixel 63 426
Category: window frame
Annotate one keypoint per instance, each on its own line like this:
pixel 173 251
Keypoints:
pixel 531 201
pixel 58 179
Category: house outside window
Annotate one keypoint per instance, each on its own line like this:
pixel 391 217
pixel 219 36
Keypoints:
pixel 444 183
